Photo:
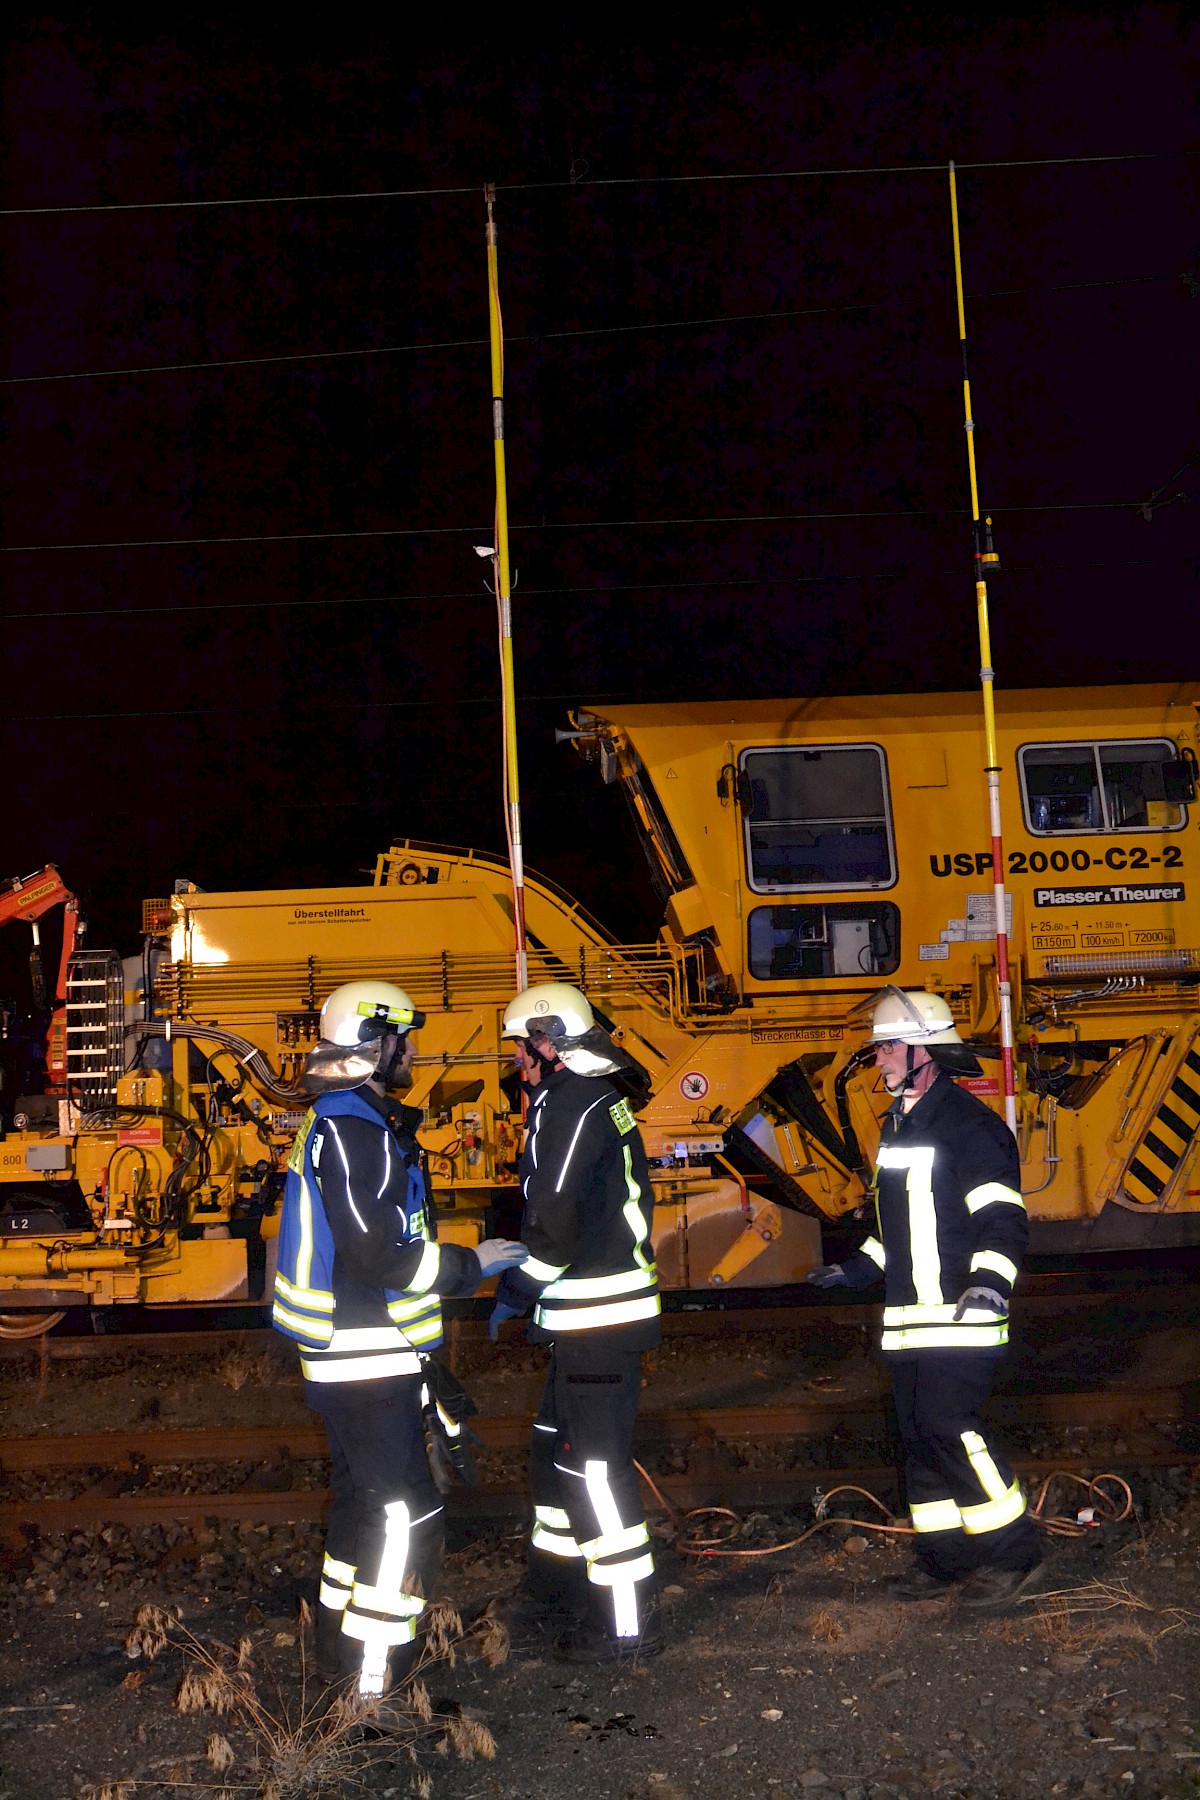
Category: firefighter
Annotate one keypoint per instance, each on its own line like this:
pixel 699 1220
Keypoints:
pixel 952 1233
pixel 589 1275
pixel 358 1285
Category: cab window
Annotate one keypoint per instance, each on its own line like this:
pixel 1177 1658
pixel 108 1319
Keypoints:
pixel 805 943
pixel 818 817
pixel 1136 785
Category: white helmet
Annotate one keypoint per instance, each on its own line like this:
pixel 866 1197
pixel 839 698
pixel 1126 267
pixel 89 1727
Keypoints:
pixel 559 1012
pixel 553 1010
pixel 360 1012
pixel 915 1017
pixel 355 1021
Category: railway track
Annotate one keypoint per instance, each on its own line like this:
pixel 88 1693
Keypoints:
pixel 1046 1296
pixel 268 1455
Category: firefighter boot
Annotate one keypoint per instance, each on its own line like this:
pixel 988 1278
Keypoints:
pixel 327 1642
pixel 594 1639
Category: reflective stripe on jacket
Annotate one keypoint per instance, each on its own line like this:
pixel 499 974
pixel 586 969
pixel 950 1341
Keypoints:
pixel 348 1332
pixel 588 1212
pixel 950 1217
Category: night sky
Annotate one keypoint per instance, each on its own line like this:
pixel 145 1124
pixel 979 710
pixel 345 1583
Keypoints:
pixel 736 461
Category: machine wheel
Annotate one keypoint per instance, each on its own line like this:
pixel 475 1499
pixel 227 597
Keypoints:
pixel 28 1324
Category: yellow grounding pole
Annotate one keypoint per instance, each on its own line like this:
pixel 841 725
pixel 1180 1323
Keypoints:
pixel 500 570
pixel 985 556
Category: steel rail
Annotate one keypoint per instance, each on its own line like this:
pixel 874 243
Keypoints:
pixel 705 1428
pixel 1053 1296
pixel 733 1488
pixel 1128 1407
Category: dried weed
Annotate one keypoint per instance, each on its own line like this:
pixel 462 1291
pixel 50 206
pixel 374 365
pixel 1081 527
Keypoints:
pixel 856 1629
pixel 240 1367
pixel 1106 1612
pixel 825 1628
pixel 326 1747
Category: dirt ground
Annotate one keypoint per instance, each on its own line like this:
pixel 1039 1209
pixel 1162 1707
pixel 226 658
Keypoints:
pixel 783 1675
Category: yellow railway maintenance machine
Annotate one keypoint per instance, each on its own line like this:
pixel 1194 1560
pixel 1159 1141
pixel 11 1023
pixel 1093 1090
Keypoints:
pixel 807 852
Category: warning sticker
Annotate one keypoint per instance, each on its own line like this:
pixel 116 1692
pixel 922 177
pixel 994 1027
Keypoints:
pixel 933 952
pixel 786 1034
pixel 981 916
pixel 693 1085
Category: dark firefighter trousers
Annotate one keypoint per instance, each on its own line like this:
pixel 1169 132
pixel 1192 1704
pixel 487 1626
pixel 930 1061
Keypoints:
pixel 967 1507
pixel 589 1548
pixel 383 1546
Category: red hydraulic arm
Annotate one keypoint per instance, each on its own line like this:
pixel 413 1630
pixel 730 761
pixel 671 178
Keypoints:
pixel 31 897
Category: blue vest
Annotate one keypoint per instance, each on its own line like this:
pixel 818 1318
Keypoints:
pixel 304 1301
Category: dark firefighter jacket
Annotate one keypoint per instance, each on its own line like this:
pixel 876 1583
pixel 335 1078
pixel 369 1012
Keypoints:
pixel 950 1216
pixel 360 1277
pixel 587 1218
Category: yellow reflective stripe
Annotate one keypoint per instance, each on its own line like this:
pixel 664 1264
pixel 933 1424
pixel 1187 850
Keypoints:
pixel 554 1543
pixel 936 1515
pixel 427 1331
pixel 297 1322
pixel 332 1570
pixel 946 1337
pixel 939 1315
pixel 336 1598
pixel 304 1255
pixel 992 1193
pixel 383 1634
pixel 922 1218
pixel 387 1600
pixel 874 1249
pixel 594 1287
pixel 553 1515
pixel 360 1368
pixel 422 1306
pixel 314 1298
pixel 993 1515
pixel 617 1574
pixel 542 1271
pixel 427 1270
pixel 295 1161
pixel 992 1259
pixel 450 1426
pixel 588 1318
pixel 613 1543
pixel 367 1337
pixel 634 1217
pixel 980 1459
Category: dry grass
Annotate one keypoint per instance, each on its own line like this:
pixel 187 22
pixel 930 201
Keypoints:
pixel 855 1630
pixel 306 1749
pixel 241 1367
pixel 1082 1619
pixel 825 1628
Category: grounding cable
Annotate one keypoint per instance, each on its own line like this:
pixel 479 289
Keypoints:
pixel 693 1539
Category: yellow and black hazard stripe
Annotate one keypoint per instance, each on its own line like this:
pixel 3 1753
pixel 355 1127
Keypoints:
pixel 1168 1137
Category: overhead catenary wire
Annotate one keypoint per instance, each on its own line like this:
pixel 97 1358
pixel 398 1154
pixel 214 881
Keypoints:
pixel 843 578
pixel 547 525
pixel 701 178
pixel 547 337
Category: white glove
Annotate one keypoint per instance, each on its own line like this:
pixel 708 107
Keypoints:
pixel 979 1296
pixel 496 1254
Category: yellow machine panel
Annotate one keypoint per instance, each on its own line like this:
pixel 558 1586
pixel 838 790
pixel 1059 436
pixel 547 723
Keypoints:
pixel 806 852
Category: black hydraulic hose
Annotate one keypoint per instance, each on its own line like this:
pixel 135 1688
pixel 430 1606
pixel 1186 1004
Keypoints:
pixel 248 1055
pixel 854 1155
